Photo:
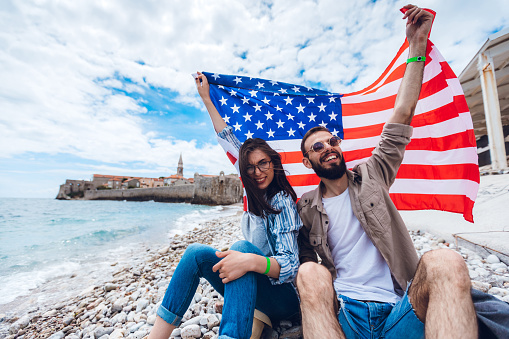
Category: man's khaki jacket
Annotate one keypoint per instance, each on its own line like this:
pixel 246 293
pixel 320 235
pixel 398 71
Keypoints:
pixel 368 185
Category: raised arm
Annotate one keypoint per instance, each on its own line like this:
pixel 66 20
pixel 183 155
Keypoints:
pixel 417 30
pixel 203 87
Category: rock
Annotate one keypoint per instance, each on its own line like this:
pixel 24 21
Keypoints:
pixel 151 319
pixel 192 321
pixel 138 335
pixel 481 286
pixel 441 241
pixel 218 307
pixel 482 272
pixel 117 333
pixel 209 335
pixel 473 274
pixel 285 324
pixel 176 332
pixel 292 333
pixel 101 331
pixel 119 304
pixel 190 331
pixel 492 259
pixel 212 321
pixel 50 314
pixel 68 320
pixel 142 304
pixel 58 335
pixel 496 291
pixel 164 250
pixel 110 287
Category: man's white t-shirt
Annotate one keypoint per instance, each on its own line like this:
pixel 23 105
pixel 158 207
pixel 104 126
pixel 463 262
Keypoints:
pixel 362 272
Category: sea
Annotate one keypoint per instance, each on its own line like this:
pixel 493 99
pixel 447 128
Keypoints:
pixel 53 249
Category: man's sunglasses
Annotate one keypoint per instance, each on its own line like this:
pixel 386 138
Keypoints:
pixel 319 146
pixel 263 166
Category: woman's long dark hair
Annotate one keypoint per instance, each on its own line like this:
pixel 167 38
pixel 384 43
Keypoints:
pixel 257 198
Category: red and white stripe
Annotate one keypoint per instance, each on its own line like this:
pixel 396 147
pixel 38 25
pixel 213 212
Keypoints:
pixel 439 170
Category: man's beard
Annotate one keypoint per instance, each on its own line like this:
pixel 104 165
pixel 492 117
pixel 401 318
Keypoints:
pixel 332 173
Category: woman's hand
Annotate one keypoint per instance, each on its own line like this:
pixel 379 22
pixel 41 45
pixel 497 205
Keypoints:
pixel 203 87
pixel 233 266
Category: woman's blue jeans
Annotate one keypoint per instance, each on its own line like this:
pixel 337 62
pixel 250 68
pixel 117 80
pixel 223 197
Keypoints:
pixel 241 296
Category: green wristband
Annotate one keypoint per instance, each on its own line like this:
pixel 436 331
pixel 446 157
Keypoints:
pixel 418 58
pixel 268 266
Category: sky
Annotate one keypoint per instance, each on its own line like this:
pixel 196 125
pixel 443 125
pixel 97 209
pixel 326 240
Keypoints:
pixel 104 87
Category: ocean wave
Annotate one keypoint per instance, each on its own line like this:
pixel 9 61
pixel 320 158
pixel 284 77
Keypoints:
pixel 21 283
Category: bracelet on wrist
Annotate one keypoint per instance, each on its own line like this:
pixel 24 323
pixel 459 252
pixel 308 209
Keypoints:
pixel 417 58
pixel 268 266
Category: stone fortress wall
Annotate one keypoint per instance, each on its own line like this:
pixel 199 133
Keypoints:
pixel 206 190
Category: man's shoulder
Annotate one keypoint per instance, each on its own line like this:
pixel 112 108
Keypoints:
pixel 306 199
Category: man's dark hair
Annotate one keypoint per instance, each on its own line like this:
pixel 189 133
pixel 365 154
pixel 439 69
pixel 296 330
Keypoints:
pixel 308 134
pixel 258 203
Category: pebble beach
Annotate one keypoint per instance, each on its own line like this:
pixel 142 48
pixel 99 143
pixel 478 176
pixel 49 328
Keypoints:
pixel 125 306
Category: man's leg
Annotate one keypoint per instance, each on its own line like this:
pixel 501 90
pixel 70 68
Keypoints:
pixel 440 296
pixel 317 302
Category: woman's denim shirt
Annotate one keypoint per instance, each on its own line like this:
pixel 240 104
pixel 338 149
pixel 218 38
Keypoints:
pixel 276 234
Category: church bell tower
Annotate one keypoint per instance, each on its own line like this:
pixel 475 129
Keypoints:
pixel 180 168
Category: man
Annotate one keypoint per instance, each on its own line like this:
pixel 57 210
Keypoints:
pixel 352 224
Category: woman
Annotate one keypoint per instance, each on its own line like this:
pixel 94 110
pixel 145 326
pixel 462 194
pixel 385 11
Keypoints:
pixel 256 272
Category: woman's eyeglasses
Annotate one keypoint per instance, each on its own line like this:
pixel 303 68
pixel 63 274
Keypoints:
pixel 319 146
pixel 263 166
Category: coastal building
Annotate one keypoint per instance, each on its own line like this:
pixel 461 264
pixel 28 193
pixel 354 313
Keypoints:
pixel 485 82
pixel 201 189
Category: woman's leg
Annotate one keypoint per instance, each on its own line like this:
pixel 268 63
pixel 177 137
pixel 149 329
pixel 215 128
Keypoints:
pixel 196 262
pixel 253 290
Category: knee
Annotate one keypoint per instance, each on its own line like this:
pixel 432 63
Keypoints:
pixel 243 246
pixel 194 249
pixel 445 264
pixel 313 280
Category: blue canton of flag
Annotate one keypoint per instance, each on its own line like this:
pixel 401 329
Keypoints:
pixel 271 110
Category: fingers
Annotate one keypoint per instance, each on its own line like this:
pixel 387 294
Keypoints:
pixel 222 254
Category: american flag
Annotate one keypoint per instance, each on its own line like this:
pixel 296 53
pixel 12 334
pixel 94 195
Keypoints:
pixel 439 169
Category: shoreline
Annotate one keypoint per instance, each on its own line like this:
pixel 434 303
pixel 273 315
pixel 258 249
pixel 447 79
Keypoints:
pixel 125 304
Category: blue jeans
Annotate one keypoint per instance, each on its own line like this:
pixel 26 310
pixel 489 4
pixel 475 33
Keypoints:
pixel 360 319
pixel 241 296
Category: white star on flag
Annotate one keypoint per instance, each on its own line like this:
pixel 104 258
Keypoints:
pixel 311 117
pixel 223 101
pixel 322 107
pixel 280 123
pixel 266 101
pixel 289 116
pixel 257 107
pixel 269 115
pixel 237 80
pixel 333 116
pixel 288 100
pixel 237 126
pixel 300 109
pixel 233 93
pixel 291 132
pixel 235 108
pixel 270 133
pixel 253 93
pixel 245 100
pixel 259 85
pixel 249 135
pixel 247 117
pixel 259 125
pixel 301 124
